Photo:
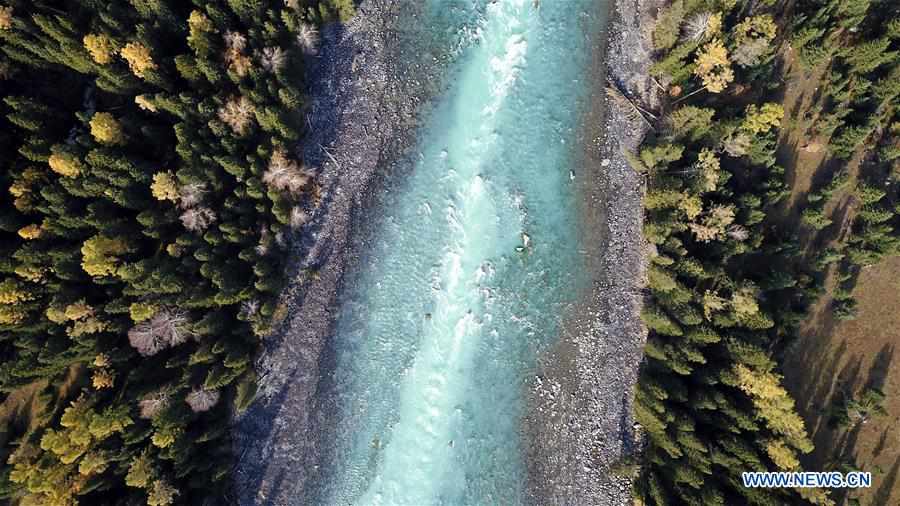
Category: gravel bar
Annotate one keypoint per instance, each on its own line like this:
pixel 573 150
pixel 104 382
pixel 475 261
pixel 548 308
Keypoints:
pixel 362 119
pixel 579 421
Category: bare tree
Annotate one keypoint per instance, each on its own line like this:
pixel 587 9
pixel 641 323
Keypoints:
pixel 144 341
pixel 285 174
pixel 153 404
pixel 249 309
pixel 737 145
pixel 273 58
pixel 235 43
pixel 308 39
pixel 190 195
pixel 201 400
pixel 265 241
pixel 629 108
pixel 164 329
pixel 698 26
pixel 750 52
pixel 738 232
pixel 235 40
pixel 238 113
pixel 161 494
pixel 714 224
pixel 198 219
pixel 6 70
pixel 299 217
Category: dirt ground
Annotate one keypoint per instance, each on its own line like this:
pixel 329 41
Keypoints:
pixel 832 358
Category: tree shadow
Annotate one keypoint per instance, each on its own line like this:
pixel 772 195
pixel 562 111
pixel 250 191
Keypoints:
pixel 822 428
pixel 828 446
pixel 268 437
pixel 256 425
pixel 880 367
pixel 882 496
pixel 819 385
pixel 844 450
pixel 848 378
pixel 882 442
pixel 841 218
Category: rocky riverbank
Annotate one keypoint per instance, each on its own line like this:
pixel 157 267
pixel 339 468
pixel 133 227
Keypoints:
pixel 580 424
pixel 359 119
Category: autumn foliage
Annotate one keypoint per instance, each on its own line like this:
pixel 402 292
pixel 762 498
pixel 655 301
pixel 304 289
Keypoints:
pixel 152 187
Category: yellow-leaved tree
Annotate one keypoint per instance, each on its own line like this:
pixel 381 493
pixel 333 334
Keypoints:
pixel 782 455
pixel 139 59
pixel 30 232
pixel 77 456
pixel 753 39
pixel 65 164
pixel 714 67
pixel 760 120
pixel 6 17
pixel 141 471
pixel 106 129
pixel 164 186
pixel 103 378
pixel 141 311
pixel 708 167
pixel 101 47
pixel 776 407
pixel 13 296
pixel 198 26
pixel 100 255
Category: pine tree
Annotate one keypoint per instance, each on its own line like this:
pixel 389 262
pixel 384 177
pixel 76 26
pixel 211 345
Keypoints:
pixel 94 255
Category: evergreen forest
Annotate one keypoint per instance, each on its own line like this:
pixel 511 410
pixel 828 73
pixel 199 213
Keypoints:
pixel 149 182
pixel 151 185
pixel 730 281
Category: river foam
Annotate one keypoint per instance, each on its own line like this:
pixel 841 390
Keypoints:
pixel 472 271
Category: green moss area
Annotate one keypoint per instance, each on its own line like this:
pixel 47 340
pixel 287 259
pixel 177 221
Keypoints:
pixel 771 195
pixel 150 183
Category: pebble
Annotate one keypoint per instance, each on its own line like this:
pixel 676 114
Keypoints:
pixel 578 412
pixel 597 426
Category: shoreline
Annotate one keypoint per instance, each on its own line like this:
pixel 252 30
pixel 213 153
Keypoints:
pixel 579 420
pixel 359 122
pixel 363 118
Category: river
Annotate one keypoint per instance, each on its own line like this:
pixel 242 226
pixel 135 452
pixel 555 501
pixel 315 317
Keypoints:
pixel 473 267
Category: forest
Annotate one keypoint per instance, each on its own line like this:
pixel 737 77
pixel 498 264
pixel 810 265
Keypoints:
pixel 151 186
pixel 729 281
pixel 150 181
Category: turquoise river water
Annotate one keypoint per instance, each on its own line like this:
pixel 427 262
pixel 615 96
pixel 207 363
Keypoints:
pixel 474 265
